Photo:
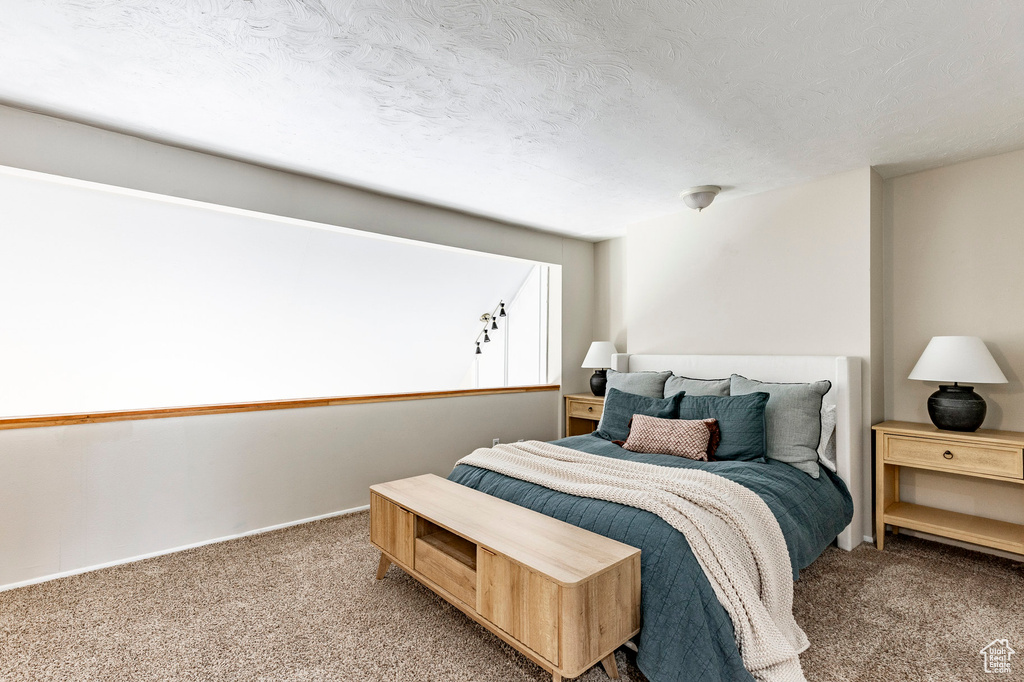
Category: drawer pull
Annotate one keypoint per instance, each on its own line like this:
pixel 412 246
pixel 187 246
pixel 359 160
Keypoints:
pixel 947 454
pixel 590 409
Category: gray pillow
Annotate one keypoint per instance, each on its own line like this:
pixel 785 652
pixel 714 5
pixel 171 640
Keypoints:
pixel 675 384
pixel 827 442
pixel 650 384
pixel 792 419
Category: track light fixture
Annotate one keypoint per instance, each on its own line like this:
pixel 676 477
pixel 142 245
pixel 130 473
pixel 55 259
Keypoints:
pixel 490 324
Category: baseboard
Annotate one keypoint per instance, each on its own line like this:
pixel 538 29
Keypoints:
pixel 118 562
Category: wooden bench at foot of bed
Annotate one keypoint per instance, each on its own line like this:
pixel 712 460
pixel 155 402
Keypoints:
pixel 565 597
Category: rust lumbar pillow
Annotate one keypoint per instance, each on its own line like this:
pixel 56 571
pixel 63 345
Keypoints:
pixel 716 436
pixel 681 437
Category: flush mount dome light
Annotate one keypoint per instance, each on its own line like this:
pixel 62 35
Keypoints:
pixel 700 197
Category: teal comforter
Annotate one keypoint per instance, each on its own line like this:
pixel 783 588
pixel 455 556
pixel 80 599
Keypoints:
pixel 686 634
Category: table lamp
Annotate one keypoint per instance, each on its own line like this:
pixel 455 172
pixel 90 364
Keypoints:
pixel 599 359
pixel 956 359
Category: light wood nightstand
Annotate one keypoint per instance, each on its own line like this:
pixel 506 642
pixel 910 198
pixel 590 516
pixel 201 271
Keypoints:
pixel 582 413
pixel 995 455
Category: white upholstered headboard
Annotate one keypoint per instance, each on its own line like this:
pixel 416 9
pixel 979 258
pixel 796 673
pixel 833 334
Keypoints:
pixel 843 372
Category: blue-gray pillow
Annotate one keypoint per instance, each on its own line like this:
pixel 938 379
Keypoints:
pixel 674 384
pixel 792 419
pixel 650 384
pixel 740 420
pixel 619 408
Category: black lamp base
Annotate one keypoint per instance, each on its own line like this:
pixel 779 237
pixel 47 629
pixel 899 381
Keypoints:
pixel 599 381
pixel 957 408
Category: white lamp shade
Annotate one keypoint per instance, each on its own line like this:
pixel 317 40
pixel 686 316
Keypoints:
pixel 600 355
pixel 959 359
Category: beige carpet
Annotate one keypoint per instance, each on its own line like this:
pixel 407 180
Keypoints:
pixel 302 604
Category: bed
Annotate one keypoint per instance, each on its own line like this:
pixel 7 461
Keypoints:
pixel 686 633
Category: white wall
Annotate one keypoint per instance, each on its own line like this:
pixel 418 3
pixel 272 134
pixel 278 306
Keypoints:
pixel 953 266
pixel 787 272
pixel 610 292
pixel 79 496
pixel 577 330
pixel 783 272
pixel 343 448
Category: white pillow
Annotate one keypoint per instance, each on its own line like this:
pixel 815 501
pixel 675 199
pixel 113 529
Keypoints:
pixel 827 443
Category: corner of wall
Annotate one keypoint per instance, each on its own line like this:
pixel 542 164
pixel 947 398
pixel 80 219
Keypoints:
pixel 878 289
pixel 888 377
pixel 577 311
pixel 610 292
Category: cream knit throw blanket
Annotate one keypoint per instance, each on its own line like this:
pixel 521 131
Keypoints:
pixel 732 532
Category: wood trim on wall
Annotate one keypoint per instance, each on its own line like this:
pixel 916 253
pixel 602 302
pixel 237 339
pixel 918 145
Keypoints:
pixel 196 410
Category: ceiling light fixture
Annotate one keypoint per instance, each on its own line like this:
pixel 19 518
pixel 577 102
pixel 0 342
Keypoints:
pixel 700 197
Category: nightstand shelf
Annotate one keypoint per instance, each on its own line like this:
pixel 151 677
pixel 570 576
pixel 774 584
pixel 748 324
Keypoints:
pixel 983 454
pixel 1008 537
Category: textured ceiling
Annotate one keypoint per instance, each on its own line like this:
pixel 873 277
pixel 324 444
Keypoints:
pixel 577 116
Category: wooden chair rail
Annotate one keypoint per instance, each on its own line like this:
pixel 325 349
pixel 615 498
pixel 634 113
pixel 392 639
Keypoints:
pixel 197 410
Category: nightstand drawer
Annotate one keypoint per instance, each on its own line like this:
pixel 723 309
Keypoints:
pixel 948 455
pixel 585 410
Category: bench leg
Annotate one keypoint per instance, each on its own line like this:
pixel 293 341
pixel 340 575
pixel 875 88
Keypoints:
pixel 383 566
pixel 555 677
pixel 610 666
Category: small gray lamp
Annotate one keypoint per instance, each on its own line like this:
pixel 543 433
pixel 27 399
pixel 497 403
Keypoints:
pixel 956 359
pixel 599 359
